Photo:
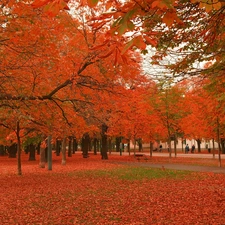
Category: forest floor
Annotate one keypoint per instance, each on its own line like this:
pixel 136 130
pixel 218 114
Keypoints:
pixel 123 190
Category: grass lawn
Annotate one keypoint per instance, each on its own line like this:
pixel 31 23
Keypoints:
pixel 93 191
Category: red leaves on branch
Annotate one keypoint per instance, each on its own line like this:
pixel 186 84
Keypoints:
pixel 52 7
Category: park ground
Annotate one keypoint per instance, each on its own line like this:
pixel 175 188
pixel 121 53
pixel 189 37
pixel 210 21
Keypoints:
pixel 122 190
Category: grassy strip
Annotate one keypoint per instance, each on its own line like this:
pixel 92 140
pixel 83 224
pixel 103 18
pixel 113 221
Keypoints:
pixel 134 173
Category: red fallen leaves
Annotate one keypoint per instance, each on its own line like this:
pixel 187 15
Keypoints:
pixel 64 196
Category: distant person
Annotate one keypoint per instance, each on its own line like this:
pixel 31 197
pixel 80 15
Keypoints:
pixel 186 149
pixel 193 149
pixel 160 148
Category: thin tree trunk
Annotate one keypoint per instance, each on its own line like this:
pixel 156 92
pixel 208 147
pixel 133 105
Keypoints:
pixel 58 145
pixel 85 145
pixel 151 148
pixel 213 151
pixel 218 137
pixel 19 168
pixel 104 142
pixel 170 150
pixel 95 145
pixel 182 145
pixel 49 152
pixel 110 146
pixel 75 145
pixel 134 146
pixel 70 147
pixel 175 145
pixel 64 151
pixel 117 144
pixel 128 146
pixel 42 158
pixel 199 145
pixel 32 152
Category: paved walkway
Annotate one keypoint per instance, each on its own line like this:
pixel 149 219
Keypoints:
pixel 174 166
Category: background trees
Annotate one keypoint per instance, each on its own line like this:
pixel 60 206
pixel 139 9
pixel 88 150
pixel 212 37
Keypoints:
pixel 81 76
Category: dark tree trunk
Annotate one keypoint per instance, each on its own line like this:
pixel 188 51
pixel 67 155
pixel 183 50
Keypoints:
pixel 117 144
pixel 104 142
pixel 95 143
pixel 46 154
pixel 75 145
pixel 110 146
pixel 89 144
pixel 128 146
pixel 151 148
pixel 19 164
pixel 70 147
pixel 26 149
pixel 175 145
pixel 199 145
pixel 222 141
pixel 42 158
pixel 140 147
pixel 64 151
pixel 58 147
pixel 85 145
pixel 38 148
pixel 2 150
pixel 31 148
pixel 12 150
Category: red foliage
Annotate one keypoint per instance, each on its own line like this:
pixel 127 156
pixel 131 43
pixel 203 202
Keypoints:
pixel 64 196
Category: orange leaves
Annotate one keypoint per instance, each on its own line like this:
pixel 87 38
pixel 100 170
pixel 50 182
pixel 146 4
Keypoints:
pixel 170 17
pixel 40 3
pixel 124 23
pixel 91 191
pixel 92 3
pixel 136 41
pixel 208 5
pixel 52 7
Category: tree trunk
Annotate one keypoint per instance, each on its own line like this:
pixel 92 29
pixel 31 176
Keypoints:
pixel 42 158
pixel 104 142
pixel 134 146
pixel 169 149
pixel 175 145
pixel 64 151
pixel 58 147
pixel 49 152
pixel 38 148
pixel 213 151
pixel 151 148
pixel 70 147
pixel 128 146
pixel 75 145
pixel 199 145
pixel 140 148
pixel 2 150
pixel 110 146
pixel 117 144
pixel 12 150
pixel 32 149
pixel 218 137
pixel 85 145
pixel 222 140
pixel 95 145
pixel 19 168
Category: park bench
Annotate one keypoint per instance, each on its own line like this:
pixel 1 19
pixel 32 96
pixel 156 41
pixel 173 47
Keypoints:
pixel 140 156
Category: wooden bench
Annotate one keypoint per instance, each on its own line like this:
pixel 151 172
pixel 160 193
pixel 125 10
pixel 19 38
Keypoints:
pixel 140 156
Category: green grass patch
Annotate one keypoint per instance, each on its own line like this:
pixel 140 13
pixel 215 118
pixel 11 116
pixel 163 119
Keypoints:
pixel 134 173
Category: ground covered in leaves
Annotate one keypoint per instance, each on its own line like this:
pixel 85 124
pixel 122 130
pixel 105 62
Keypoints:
pixel 93 191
